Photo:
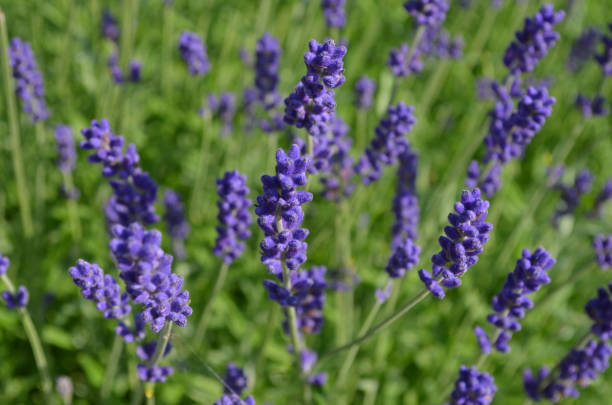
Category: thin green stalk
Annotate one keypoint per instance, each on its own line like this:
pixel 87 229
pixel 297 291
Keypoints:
pixel 166 48
pixel 40 173
pixel 160 349
pixel 22 188
pixel 73 207
pixel 39 354
pixel 126 32
pixel 111 367
pixel 195 208
pixel 382 325
pixel 201 329
pixel 352 354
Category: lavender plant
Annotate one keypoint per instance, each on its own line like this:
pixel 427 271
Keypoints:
pixel 193 51
pixel 176 224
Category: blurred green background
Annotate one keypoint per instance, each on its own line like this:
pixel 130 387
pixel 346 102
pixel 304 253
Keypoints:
pixel 417 357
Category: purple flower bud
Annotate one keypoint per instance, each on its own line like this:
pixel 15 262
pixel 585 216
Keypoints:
pixel 483 340
pixel 605 57
pixel 603 250
pixel 233 399
pixel 364 92
pixel 29 85
pixel 335 16
pixel 4 264
pixel 176 224
pixel 472 387
pixel 398 64
pixel 109 26
pixel 427 12
pixel 17 300
pixel 234 381
pixel 193 51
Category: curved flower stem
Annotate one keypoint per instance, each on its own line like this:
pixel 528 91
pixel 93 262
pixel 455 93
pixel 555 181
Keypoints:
pixel 111 367
pixel 201 329
pixel 352 354
pixel 22 188
pixel 160 349
pixel 73 208
pixel 39 354
pixel 382 325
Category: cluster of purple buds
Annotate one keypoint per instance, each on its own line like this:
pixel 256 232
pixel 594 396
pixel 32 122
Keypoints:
pixel 134 191
pixel 312 104
pixel 511 303
pixel 603 197
pixel 533 41
pixel 388 144
pixel 29 84
pixel 438 43
pixel 193 51
pixel 335 16
pixel 472 387
pixel 234 216
pixel 233 399
pixel 580 367
pixel 583 49
pixel 119 77
pixel 405 253
pixel 592 107
pixel 605 57
pixel 4 264
pixel 428 13
pixel 398 64
pixel 109 27
pixel 364 93
pixel 571 194
pixel 176 223
pixel 308 359
pixel 311 300
pixel 152 373
pixel 509 132
pixel 462 244
pixel 132 333
pixel 280 216
pixel 223 108
pixel 17 300
pixel 101 288
pixel 64 144
pixel 584 363
pixel 267 62
pixel 146 270
pixel 234 381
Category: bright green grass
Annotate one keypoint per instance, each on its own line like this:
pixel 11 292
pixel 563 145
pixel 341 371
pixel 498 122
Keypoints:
pixel 412 362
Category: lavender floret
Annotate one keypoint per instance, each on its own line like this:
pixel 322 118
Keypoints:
pixel 389 142
pixel 572 194
pixel 100 288
pixel 398 64
pixel 234 216
pixel 234 381
pixel 603 197
pixel 233 399
pixel 64 144
pixel 29 85
pixel 511 303
pixel 17 300
pixel 267 62
pixel 109 26
pixel 583 49
pixel 472 387
pixel 224 108
pixel 152 373
pixel 193 51
pixel 603 250
pixel 427 12
pixel 176 224
pixel 605 57
pixel 364 93
pixel 4 264
pixel 335 16
pixel 483 340
pixel 534 40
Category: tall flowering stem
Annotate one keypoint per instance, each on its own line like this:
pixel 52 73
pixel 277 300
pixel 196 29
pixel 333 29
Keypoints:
pixel 160 351
pixel 22 188
pixel 30 329
pixel 66 160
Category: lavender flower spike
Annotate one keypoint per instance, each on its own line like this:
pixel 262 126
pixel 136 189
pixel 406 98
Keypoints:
pixel 152 373
pixel 177 225
pixel 472 387
pixel 389 142
pixel 603 197
pixel 511 302
pixel 234 381
pixel 100 288
pixel 603 250
pixel 193 51
pixel 146 270
pixel 430 13
pixel 335 16
pixel 311 105
pixel 4 265
pixel 234 216
pixel 364 93
pixel 280 216
pixel 29 84
pixel 462 244
pixel 534 40
pixel 64 143
pixel 401 67
pixel 267 61
pixel 17 300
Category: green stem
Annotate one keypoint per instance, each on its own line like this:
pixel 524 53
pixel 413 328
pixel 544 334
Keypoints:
pixel 201 329
pixel 22 188
pixel 160 349
pixel 39 355
pixel 352 354
pixel 166 48
pixel 73 208
pixel 111 367
pixel 382 325
pixel 270 328
pixel 40 173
